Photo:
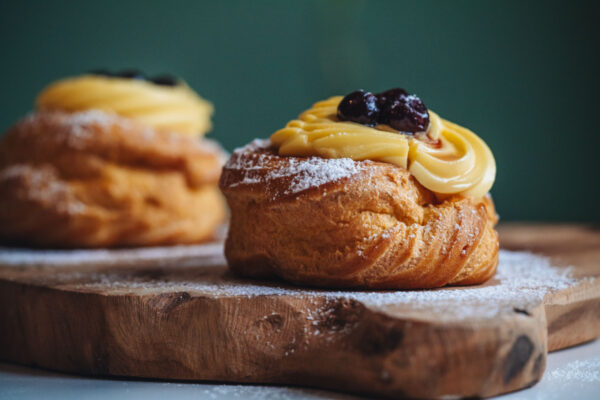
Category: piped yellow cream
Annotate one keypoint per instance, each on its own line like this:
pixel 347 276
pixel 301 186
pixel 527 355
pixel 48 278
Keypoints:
pixel 448 159
pixel 175 108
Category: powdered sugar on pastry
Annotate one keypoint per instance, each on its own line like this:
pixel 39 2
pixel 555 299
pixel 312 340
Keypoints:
pixel 299 173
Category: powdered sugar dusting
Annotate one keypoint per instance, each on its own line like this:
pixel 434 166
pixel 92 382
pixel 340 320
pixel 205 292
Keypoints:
pixel 77 128
pixel 316 171
pixel 95 117
pixel 82 118
pixel 522 280
pixel 44 187
pixel 254 145
pixel 581 371
pixel 79 123
pixel 258 392
pixel 156 256
pixel 298 173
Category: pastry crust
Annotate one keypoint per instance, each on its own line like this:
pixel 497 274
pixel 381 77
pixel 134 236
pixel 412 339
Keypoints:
pixel 344 223
pixel 92 179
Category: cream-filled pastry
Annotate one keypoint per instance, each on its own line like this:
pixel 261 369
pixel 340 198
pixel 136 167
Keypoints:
pixel 371 191
pixel 111 160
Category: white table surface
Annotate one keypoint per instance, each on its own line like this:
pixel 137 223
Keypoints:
pixel 572 374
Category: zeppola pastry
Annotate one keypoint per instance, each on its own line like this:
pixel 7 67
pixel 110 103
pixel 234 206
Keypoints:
pixel 365 191
pixel 111 160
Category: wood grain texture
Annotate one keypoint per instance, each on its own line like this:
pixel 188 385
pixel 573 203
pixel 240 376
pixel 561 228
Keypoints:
pixel 573 314
pixel 152 319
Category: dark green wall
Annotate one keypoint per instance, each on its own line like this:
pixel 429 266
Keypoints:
pixel 523 75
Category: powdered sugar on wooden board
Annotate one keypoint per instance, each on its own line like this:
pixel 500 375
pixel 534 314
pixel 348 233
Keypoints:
pixel 301 173
pixel 522 280
pixel 148 256
pixel 582 371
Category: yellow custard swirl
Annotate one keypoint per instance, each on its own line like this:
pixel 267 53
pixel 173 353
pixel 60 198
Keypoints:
pixel 449 159
pixel 174 108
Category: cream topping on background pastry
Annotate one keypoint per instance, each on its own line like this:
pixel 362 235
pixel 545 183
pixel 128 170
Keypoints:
pixel 445 158
pixel 171 106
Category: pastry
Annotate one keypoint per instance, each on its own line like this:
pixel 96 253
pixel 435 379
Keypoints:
pixel 366 191
pixel 107 161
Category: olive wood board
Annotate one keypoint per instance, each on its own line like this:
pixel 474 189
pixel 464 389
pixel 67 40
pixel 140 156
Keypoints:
pixel 177 313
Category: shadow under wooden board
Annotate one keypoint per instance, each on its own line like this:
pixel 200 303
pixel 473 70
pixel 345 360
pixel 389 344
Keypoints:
pixel 177 313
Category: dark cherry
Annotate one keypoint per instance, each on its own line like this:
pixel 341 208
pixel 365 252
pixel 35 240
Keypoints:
pixel 386 98
pixel 101 72
pixel 395 107
pixel 165 80
pixel 359 106
pixel 131 74
pixel 406 114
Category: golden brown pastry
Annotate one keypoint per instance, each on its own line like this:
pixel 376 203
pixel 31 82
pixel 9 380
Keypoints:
pixel 339 219
pixel 94 178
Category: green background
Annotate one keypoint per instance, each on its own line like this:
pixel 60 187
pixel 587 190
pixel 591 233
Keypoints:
pixel 523 75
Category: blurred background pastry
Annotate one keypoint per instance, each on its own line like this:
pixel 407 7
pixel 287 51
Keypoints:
pixel 110 160
pixel 369 191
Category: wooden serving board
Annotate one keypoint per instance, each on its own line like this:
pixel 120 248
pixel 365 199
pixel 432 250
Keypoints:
pixel 177 313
